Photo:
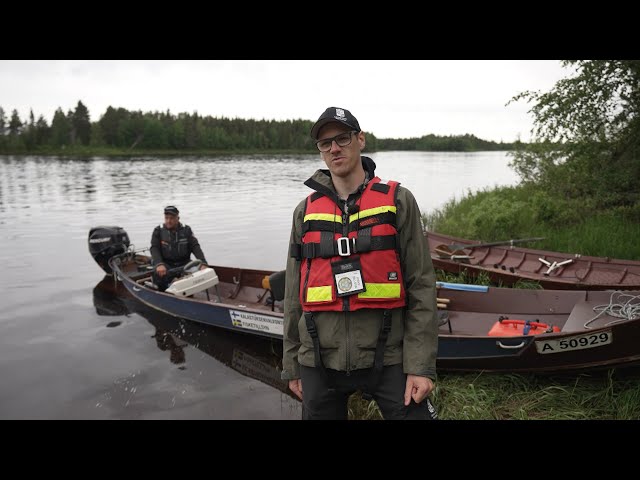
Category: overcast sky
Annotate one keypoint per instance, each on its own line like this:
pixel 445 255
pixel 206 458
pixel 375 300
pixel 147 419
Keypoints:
pixel 389 98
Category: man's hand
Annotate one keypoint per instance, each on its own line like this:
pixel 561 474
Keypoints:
pixel 417 388
pixel 296 387
pixel 161 270
pixel 203 266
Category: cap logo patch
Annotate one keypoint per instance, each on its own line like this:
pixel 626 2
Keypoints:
pixel 339 112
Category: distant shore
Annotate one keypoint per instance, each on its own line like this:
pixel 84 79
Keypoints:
pixel 116 152
pixel 120 132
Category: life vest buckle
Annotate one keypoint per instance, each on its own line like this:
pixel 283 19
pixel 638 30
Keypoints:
pixel 344 249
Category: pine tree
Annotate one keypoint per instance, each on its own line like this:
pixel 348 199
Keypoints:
pixel 42 131
pixel 72 129
pixel 3 126
pixel 111 123
pixel 29 133
pixel 15 124
pixel 3 122
pixel 81 124
pixel 60 129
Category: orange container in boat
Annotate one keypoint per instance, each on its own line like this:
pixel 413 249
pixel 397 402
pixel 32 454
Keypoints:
pixel 506 327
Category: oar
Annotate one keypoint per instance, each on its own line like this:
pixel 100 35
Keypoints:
pixel 462 286
pixel 458 246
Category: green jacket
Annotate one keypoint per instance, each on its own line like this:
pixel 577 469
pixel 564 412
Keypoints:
pixel 348 339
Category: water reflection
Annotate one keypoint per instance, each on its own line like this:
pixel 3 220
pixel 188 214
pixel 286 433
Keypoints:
pixel 165 340
pixel 254 357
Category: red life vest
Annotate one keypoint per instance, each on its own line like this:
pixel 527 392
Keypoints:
pixel 368 234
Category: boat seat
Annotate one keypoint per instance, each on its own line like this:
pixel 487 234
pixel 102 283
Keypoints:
pixel 583 312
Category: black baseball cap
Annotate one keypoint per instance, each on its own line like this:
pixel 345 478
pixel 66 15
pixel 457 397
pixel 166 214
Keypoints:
pixel 335 114
pixel 171 210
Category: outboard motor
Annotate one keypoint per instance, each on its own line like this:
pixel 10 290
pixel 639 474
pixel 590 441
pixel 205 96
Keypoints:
pixel 105 242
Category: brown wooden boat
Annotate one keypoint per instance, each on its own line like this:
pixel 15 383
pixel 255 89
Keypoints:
pixel 582 337
pixel 507 263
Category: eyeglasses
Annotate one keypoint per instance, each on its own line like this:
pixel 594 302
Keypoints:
pixel 342 140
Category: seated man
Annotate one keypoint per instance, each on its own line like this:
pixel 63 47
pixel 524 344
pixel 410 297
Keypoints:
pixel 171 247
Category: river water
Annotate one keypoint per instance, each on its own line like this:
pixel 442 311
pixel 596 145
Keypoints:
pixel 72 347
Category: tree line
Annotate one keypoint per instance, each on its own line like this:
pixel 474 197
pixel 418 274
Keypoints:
pixel 124 130
pixel 437 143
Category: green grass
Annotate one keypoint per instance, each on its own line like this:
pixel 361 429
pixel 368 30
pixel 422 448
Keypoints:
pixel 519 212
pixel 602 235
pixel 600 395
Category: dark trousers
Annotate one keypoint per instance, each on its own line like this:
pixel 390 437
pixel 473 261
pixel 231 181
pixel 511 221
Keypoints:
pixel 320 403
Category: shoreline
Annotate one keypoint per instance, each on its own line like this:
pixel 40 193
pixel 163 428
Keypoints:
pixel 193 153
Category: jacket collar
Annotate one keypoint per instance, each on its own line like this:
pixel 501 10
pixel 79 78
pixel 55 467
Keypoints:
pixel 321 182
pixel 178 227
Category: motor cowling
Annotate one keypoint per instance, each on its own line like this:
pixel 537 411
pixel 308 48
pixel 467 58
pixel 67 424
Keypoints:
pixel 105 242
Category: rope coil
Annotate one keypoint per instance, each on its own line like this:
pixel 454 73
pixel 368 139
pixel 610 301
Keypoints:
pixel 622 306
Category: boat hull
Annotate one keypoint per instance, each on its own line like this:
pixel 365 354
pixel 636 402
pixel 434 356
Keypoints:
pixel 228 316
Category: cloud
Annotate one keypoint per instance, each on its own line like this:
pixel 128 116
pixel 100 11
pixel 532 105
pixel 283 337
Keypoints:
pixel 390 98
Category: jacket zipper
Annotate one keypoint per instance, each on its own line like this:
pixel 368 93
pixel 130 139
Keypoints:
pixel 345 300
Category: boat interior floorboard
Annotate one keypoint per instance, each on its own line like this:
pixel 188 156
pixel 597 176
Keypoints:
pixel 582 313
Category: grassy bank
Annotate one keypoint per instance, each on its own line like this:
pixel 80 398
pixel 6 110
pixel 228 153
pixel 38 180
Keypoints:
pixel 520 212
pixel 601 395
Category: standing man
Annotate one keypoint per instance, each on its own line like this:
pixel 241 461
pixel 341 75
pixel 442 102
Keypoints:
pixel 360 301
pixel 171 247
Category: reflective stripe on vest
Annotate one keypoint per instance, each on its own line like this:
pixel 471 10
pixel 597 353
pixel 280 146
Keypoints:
pixel 319 294
pixel 374 290
pixel 381 290
pixel 373 222
pixel 326 217
pixel 372 211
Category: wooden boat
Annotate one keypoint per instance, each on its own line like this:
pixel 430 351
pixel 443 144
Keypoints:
pixel 509 263
pixel 242 303
pixel 580 341
pixel 238 302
